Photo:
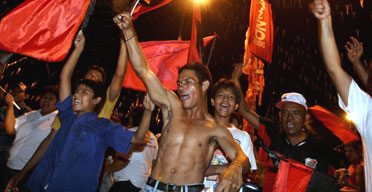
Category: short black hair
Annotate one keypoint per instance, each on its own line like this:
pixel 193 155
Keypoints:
pixel 201 71
pixel 99 90
pixel 50 89
pixel 226 84
pixel 99 69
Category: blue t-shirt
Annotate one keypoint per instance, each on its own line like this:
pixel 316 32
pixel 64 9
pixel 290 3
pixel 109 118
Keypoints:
pixel 74 159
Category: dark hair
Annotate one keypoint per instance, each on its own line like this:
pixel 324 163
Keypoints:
pixel 50 89
pixel 99 90
pixel 201 71
pixel 226 84
pixel 99 69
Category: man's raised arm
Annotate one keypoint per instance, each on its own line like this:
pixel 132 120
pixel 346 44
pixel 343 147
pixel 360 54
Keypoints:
pixel 328 48
pixel 68 68
pixel 139 62
pixel 121 68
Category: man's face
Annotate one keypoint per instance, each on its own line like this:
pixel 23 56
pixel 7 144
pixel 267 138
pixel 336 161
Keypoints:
pixel 83 101
pixel 351 154
pixel 94 75
pixel 18 94
pixel 224 102
pixel 189 89
pixel 292 118
pixel 48 103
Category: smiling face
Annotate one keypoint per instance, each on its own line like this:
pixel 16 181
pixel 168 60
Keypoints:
pixel 224 102
pixel 48 103
pixel 83 100
pixel 189 89
pixel 292 118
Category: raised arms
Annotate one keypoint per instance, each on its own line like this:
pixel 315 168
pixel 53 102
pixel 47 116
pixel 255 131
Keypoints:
pixel 329 50
pixel 68 68
pixel 159 95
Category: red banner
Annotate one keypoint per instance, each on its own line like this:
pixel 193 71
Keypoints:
pixel 165 58
pixel 152 4
pixel 43 29
pixel 261 33
pixel 292 176
pixel 195 51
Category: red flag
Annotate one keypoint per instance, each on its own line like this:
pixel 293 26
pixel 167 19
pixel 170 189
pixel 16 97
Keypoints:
pixel 165 58
pixel 333 124
pixel 292 176
pixel 42 29
pixel 196 46
pixel 148 6
pixel 261 35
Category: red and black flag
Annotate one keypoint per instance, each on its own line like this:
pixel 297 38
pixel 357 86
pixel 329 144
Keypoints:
pixel 196 44
pixel 148 5
pixel 44 29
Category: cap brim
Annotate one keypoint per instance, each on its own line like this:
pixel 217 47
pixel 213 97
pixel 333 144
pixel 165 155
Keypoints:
pixel 280 104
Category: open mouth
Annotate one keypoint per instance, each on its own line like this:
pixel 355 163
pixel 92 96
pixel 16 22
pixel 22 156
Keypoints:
pixel 224 107
pixel 184 97
pixel 77 102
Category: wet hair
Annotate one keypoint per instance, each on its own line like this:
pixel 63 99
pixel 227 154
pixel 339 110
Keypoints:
pixel 226 84
pixel 50 89
pixel 99 69
pixel 98 89
pixel 201 71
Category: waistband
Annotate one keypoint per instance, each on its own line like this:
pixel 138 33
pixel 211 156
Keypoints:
pixel 197 187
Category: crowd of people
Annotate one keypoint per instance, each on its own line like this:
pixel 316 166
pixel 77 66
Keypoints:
pixel 75 142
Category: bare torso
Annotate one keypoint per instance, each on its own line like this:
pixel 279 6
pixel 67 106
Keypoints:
pixel 185 150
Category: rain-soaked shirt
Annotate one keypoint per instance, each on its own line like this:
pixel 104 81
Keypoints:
pixel 74 159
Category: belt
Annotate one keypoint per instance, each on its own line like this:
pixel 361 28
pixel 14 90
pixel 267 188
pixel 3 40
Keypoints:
pixel 174 188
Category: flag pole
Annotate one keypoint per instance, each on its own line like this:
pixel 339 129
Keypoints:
pixel 134 7
pixel 212 48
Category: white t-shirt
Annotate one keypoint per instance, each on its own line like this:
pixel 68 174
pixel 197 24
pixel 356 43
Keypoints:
pixel 360 106
pixel 31 129
pixel 139 167
pixel 244 140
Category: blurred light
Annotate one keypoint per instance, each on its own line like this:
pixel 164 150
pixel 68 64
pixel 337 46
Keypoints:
pixel 201 1
pixel 350 117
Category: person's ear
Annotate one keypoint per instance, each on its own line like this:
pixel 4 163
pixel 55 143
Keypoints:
pixel 205 85
pixel 97 100
pixel 212 102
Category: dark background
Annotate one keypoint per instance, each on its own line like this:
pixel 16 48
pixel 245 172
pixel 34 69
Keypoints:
pixel 296 66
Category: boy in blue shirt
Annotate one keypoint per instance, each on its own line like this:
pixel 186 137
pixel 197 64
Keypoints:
pixel 74 159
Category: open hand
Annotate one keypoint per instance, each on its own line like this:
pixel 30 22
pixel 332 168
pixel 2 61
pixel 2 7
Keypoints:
pixel 354 49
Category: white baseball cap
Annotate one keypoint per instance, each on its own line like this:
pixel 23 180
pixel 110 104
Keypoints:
pixel 292 98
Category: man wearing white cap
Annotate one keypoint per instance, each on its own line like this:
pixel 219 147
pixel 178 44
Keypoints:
pixel 289 137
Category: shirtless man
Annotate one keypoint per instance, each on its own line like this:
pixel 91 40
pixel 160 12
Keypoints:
pixel 190 135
